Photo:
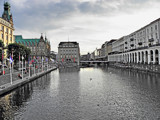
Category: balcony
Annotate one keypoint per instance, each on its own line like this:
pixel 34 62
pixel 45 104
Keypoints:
pixel 151 40
pixel 140 43
pixel 131 39
pixel 132 45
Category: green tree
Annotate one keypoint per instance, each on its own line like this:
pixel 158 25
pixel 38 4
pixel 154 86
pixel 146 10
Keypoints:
pixel 18 49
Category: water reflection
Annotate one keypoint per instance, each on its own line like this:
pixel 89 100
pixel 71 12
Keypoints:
pixel 69 92
pixel 11 103
pixel 85 94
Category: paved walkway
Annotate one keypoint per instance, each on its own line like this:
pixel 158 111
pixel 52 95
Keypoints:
pixel 6 79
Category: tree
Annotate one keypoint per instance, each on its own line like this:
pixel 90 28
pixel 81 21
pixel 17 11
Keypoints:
pixel 18 48
pixel 1 47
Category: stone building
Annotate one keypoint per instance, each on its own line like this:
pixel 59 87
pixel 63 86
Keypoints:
pixel 141 46
pixel 6 27
pixel 40 47
pixel 69 52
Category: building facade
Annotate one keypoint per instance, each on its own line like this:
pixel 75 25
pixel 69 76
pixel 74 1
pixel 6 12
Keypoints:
pixel 141 46
pixel 6 27
pixel 39 47
pixel 69 52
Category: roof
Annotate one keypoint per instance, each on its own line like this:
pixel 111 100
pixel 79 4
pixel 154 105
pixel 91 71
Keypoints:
pixel 19 39
pixel 75 43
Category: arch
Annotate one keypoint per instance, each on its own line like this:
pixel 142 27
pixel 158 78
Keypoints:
pixel 142 57
pixel 139 57
pixel 146 56
pixel 151 53
pixel 156 56
pixel 133 58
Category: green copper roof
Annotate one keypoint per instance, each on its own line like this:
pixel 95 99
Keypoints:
pixel 19 39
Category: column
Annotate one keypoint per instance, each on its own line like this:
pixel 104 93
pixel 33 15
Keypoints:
pixel 137 57
pixel 141 57
pixel 134 57
pixel 144 56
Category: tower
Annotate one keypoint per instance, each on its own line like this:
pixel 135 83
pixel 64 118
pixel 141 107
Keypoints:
pixel 7 14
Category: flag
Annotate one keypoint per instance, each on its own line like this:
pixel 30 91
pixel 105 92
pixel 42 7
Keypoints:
pixel 10 59
pixel 46 59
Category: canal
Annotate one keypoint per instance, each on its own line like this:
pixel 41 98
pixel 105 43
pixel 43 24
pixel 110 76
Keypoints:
pixel 85 94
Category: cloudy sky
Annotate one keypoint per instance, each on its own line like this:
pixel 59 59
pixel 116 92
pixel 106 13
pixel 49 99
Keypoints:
pixel 89 22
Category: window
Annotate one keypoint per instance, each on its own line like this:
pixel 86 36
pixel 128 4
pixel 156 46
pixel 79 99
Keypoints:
pixel 155 27
pixel 6 30
pixel 156 36
pixel 2 35
pixel 11 39
pixel 2 28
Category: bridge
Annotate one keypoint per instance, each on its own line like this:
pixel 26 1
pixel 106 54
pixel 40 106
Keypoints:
pixel 94 61
pixel 91 63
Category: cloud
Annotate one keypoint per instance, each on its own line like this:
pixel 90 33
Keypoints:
pixel 86 21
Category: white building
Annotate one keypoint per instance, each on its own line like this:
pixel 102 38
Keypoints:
pixel 69 52
pixel 141 46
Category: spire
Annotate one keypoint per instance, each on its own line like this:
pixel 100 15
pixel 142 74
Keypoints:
pixel 41 36
pixel 7 14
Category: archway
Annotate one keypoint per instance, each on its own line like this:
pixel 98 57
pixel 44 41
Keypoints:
pixel 143 57
pixel 146 56
pixel 156 56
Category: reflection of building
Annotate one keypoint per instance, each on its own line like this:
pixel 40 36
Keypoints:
pixel 6 27
pixel 69 52
pixel 39 47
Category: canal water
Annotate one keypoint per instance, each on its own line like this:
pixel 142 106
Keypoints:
pixel 86 94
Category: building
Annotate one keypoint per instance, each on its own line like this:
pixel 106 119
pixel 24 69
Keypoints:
pixel 85 57
pixel 141 46
pixel 6 27
pixel 69 52
pixel 53 55
pixel 40 47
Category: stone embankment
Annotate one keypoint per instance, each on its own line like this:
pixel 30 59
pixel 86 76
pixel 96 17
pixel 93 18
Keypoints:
pixel 137 66
pixel 9 87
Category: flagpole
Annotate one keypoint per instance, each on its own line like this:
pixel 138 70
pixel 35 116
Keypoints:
pixel 12 62
pixel 42 64
pixel 29 69
pixel 11 72
pixel 3 62
pixel 34 69
pixel 19 60
pixel 22 67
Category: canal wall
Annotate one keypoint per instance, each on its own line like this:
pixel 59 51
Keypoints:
pixel 136 66
pixel 4 89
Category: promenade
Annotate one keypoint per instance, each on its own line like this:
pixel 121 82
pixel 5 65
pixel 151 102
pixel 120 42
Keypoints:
pixel 5 80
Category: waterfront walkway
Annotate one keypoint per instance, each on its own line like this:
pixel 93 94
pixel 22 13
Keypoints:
pixel 5 81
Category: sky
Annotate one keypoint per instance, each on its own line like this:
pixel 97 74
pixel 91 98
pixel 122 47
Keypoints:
pixel 89 22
